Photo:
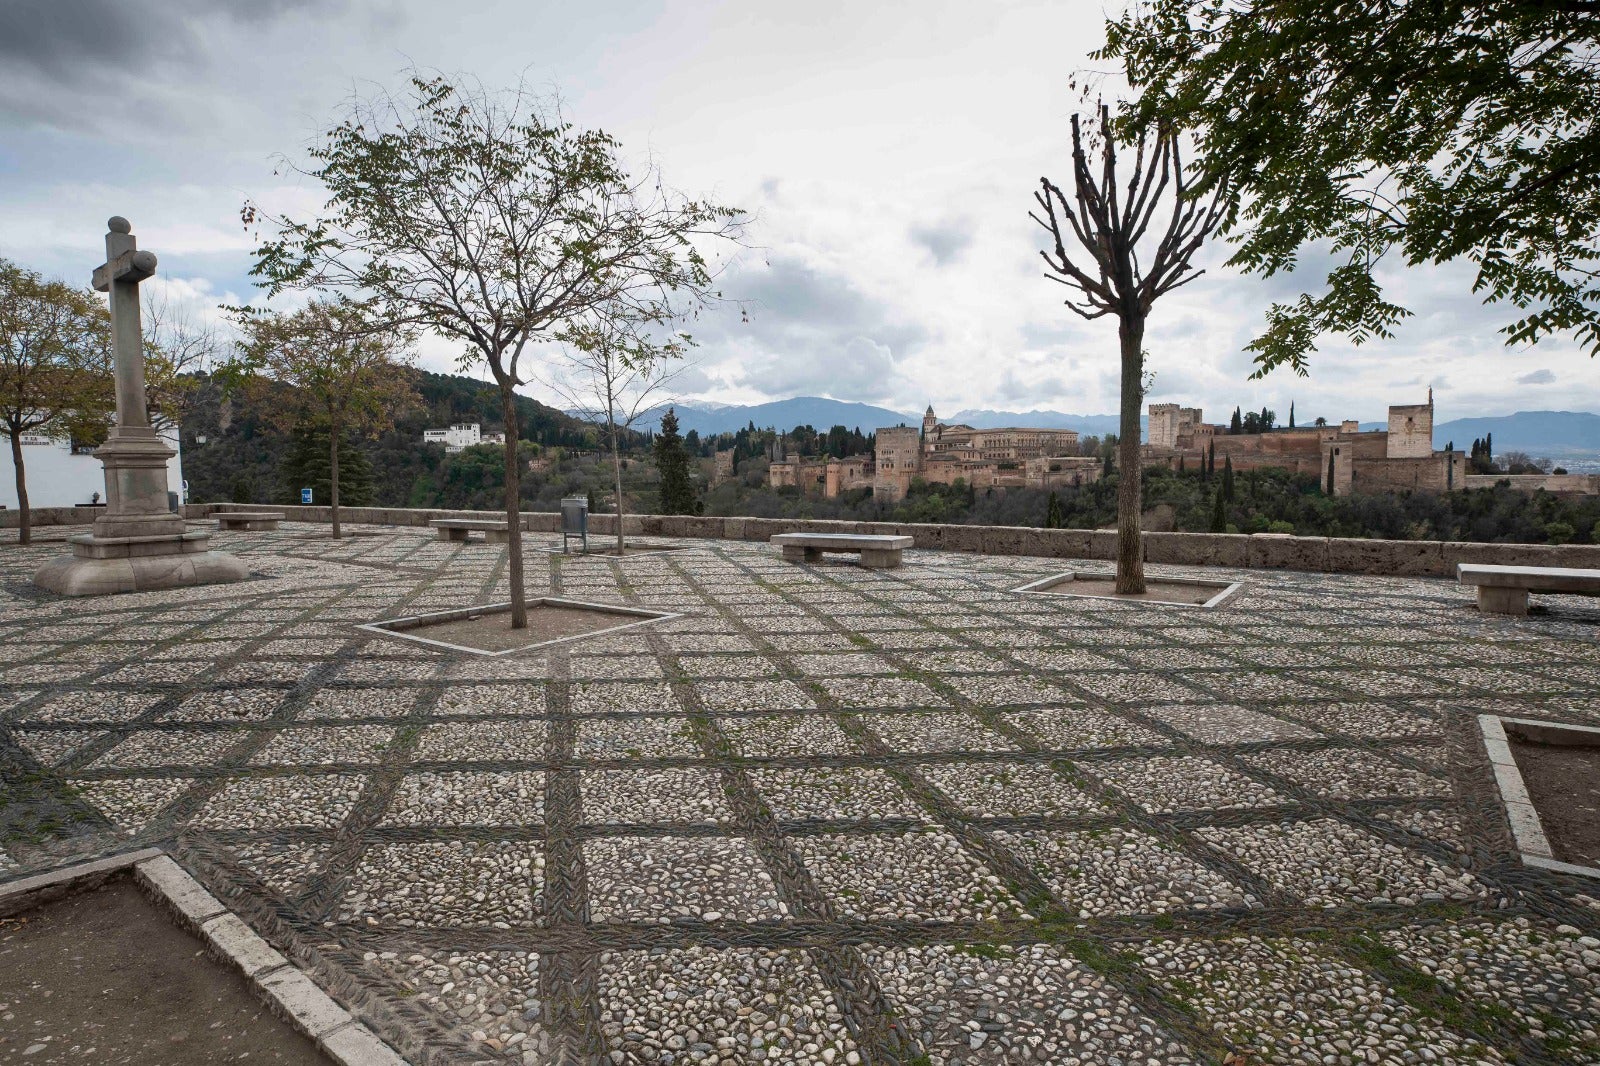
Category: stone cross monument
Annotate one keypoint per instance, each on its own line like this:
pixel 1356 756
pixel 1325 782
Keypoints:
pixel 139 544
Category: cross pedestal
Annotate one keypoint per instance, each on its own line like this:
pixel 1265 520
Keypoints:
pixel 138 544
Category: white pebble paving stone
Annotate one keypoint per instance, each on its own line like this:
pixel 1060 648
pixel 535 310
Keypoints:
pixel 1326 863
pixel 131 802
pixel 831 792
pixel 634 738
pixel 320 744
pixel 920 875
pixel 1005 690
pixel 284 867
pixel 1128 686
pixel 317 801
pixel 603 667
pixel 1008 790
pixel 613 797
pixel 936 731
pixel 54 746
pixel 516 741
pixel 468 797
pixel 981 1004
pixel 733 1006
pixel 660 879
pixel 493 995
pixel 228 705
pixel 169 747
pixel 711 667
pixel 65 708
pixel 1224 724
pixel 446 883
pixel 512 699
pixel 1291 1002
pixel 853 692
pixel 1547 976
pixel 1166 783
pixel 338 703
pixel 1078 728
pixel 1097 872
pixel 1366 719
pixel 786 735
pixel 752 697
pixel 842 664
pixel 632 697
pixel 1349 773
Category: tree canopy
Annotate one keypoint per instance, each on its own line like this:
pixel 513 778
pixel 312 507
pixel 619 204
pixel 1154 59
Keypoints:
pixel 1430 132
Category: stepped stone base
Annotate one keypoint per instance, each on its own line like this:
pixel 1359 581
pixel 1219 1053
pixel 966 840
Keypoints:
pixel 104 566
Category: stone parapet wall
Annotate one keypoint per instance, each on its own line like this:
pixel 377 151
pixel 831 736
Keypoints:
pixel 1412 558
pixel 52 516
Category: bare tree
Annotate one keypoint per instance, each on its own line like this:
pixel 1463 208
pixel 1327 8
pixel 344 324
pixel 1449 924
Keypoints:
pixel 1131 242
pixel 179 347
pixel 613 374
pixel 489 219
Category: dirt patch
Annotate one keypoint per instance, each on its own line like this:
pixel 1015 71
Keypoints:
pixel 1564 783
pixel 493 632
pixel 1154 591
pixel 106 977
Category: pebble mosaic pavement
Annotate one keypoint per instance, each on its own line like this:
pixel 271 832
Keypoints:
pixel 830 815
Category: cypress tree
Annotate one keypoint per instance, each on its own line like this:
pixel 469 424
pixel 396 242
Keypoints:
pixel 1291 414
pixel 1237 425
pixel 1211 456
pixel 1182 470
pixel 1219 514
pixel 1330 473
pixel 1052 513
pixel 1227 477
pixel 672 463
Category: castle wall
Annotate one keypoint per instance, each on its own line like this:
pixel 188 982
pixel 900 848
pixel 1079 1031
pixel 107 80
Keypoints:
pixel 1411 431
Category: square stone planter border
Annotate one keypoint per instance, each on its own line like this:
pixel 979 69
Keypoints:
pixel 291 994
pixel 1046 586
pixel 397 627
pixel 1532 844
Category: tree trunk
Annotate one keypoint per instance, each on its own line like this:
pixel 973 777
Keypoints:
pixel 616 469
pixel 1130 545
pixel 333 476
pixel 519 602
pixel 24 520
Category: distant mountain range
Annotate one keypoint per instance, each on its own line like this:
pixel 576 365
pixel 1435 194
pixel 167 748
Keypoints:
pixel 1554 434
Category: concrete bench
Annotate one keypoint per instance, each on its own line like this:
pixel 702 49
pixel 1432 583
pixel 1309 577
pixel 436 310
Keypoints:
pixel 259 520
pixel 1504 589
pixel 495 532
pixel 879 551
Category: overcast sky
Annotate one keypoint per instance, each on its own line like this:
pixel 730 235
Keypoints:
pixel 888 152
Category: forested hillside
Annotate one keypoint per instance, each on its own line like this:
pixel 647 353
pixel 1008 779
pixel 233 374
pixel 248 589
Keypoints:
pixel 234 450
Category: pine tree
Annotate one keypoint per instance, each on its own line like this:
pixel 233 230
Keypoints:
pixel 672 462
pixel 1219 514
pixel 1227 477
pixel 307 465
pixel 1052 513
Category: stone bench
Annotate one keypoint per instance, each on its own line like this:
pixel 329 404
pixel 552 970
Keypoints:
pixel 252 520
pixel 1504 589
pixel 879 551
pixel 494 532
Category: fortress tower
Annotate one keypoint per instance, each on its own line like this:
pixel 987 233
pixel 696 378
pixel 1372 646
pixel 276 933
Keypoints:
pixel 930 429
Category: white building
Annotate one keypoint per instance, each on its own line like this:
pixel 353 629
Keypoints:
pixel 58 477
pixel 461 436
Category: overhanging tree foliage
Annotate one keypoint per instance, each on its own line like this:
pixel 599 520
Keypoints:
pixel 55 366
pixel 1462 129
pixel 344 372
pixel 489 219
pixel 1132 240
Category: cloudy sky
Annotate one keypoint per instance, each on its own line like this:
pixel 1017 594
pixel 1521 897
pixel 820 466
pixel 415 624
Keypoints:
pixel 887 151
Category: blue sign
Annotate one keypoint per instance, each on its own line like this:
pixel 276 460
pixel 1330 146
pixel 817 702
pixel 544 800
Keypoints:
pixel 305 495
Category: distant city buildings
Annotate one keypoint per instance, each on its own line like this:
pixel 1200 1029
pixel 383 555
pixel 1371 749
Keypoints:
pixel 461 436
pixel 942 454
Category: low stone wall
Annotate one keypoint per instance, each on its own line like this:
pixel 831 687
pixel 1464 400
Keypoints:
pixel 1411 558
pixel 51 516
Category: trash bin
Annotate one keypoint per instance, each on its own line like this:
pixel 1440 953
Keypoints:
pixel 574 521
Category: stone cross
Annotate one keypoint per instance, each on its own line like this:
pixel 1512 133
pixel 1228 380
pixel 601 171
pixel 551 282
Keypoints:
pixel 124 268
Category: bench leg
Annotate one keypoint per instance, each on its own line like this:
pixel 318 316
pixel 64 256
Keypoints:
pixel 452 534
pixel 880 558
pixel 1495 600
pixel 497 536
pixel 793 553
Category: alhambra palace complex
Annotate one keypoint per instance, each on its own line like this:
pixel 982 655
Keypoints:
pixel 1343 457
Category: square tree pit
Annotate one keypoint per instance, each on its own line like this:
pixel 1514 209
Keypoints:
pixel 486 630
